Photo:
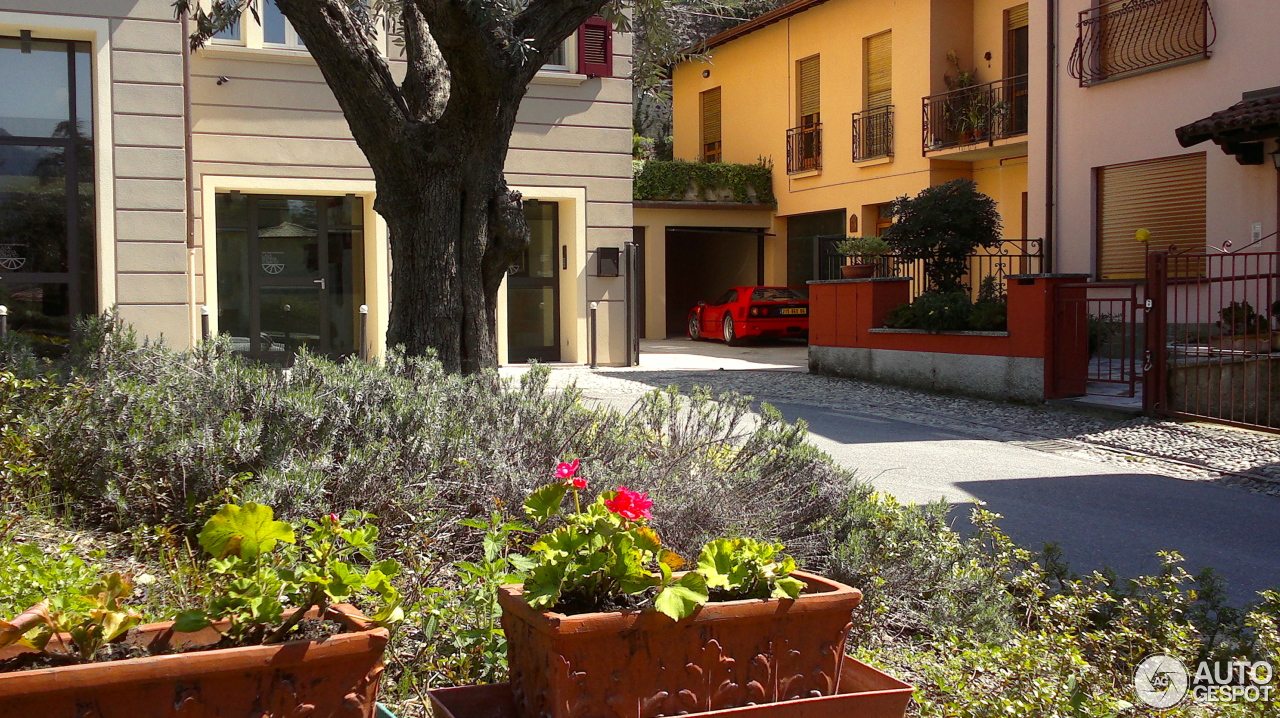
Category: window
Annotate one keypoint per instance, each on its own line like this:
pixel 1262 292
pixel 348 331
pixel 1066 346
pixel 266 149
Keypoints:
pixel 878 51
pixel 804 143
pixel 711 125
pixel 1017 66
pixel 558 61
pixel 1165 196
pixel 873 127
pixel 1119 38
pixel 728 297
pixel 276 30
pixel 48 243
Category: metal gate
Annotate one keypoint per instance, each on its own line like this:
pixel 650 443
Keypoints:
pixel 1098 336
pixel 1211 344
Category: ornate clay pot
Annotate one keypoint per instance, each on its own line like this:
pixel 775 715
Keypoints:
pixel 641 664
pixel 333 678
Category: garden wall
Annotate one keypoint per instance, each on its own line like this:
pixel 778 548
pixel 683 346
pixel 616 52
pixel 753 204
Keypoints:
pixel 847 337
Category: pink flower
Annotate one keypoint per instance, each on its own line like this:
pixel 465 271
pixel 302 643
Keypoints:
pixel 630 505
pixel 333 518
pixel 568 472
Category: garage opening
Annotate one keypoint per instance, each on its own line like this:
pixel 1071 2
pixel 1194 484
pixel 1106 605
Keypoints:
pixel 704 262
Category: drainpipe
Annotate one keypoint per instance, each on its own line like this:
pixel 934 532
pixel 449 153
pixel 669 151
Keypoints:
pixel 190 170
pixel 1051 139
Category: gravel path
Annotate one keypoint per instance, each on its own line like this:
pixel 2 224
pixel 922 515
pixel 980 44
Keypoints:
pixel 1181 449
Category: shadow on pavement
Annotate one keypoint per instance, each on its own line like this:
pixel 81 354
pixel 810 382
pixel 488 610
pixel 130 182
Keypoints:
pixel 1122 521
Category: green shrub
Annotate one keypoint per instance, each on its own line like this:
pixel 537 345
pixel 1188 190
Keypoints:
pixel 943 225
pixel 989 317
pixel 933 312
pixel 670 180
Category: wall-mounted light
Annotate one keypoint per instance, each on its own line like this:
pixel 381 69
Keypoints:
pixel 222 80
pixel 706 73
pixel 1275 156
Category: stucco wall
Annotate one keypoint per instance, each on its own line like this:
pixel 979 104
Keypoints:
pixel 756 75
pixel 1134 119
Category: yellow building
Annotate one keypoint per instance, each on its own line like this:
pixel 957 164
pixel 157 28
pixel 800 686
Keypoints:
pixel 856 103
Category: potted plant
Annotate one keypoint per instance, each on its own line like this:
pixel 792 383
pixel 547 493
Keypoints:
pixel 607 624
pixel 274 638
pixel 1244 329
pixel 863 251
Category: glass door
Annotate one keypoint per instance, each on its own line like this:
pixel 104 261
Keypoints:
pixel 290 274
pixel 533 293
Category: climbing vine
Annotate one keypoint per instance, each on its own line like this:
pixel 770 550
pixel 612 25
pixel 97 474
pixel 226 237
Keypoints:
pixel 677 180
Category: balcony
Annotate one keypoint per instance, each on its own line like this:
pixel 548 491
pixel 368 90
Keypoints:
pixel 804 148
pixel 1128 37
pixel 976 114
pixel 873 133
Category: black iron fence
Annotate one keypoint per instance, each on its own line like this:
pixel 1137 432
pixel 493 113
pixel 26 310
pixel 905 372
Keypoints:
pixel 1011 256
pixel 1213 340
pixel 1125 37
pixel 873 133
pixel 981 113
pixel 804 148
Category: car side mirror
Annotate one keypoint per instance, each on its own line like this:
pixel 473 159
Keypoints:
pixel 702 304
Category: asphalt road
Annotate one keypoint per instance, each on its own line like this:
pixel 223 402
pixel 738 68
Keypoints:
pixel 1116 514
pixel 1098 513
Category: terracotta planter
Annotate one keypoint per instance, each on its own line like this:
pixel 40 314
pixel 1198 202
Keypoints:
pixel 636 664
pixel 864 692
pixel 857 271
pixel 333 678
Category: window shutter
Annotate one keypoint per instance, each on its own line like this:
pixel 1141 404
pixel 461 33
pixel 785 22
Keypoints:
pixel 711 124
pixel 595 48
pixel 1165 196
pixel 879 64
pixel 1016 17
pixel 807 83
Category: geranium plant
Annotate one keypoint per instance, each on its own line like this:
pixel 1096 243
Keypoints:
pixel 606 557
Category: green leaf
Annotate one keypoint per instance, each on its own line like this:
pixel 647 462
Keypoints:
pixel 787 587
pixel 191 621
pixel 680 599
pixel 246 531
pixel 716 562
pixel 545 502
pixel 542 588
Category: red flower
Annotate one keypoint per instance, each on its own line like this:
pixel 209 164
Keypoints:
pixel 333 518
pixel 569 472
pixel 630 505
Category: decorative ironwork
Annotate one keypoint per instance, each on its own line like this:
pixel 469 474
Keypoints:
pixel 13 256
pixel 1011 256
pixel 804 148
pixel 873 133
pixel 1125 37
pixel 980 113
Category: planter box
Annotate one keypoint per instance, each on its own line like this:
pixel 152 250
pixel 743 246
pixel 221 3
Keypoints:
pixel 336 677
pixel 864 692
pixel 636 664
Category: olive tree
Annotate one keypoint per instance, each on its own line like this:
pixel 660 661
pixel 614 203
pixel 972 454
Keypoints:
pixel 436 140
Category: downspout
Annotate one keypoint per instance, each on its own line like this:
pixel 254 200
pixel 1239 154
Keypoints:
pixel 1051 139
pixel 190 180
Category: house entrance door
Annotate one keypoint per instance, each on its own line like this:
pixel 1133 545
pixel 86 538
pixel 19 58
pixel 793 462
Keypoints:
pixel 533 291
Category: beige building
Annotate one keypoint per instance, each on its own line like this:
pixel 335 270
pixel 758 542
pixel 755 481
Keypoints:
pixel 228 179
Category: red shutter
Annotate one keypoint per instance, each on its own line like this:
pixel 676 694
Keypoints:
pixel 595 48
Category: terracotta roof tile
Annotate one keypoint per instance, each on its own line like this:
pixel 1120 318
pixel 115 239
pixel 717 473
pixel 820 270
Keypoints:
pixel 1255 115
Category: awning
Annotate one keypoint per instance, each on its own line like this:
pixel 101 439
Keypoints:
pixel 1240 129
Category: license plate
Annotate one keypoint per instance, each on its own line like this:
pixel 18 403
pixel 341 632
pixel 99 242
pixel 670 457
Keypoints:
pixel 797 310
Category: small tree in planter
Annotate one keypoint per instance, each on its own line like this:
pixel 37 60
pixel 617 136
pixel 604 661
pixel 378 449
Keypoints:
pixel 943 226
pixel 864 251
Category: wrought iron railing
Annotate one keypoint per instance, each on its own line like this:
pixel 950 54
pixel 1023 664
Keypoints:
pixel 981 113
pixel 873 133
pixel 1011 256
pixel 804 148
pixel 1125 37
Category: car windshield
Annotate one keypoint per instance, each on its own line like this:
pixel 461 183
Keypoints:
pixel 778 294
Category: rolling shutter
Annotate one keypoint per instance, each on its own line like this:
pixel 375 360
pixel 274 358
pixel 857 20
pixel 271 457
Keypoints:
pixel 808 99
pixel 595 48
pixel 879 64
pixel 1016 17
pixel 1165 196
pixel 711 125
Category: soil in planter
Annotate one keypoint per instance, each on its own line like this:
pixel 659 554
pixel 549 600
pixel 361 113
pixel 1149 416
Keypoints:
pixel 308 629
pixel 573 603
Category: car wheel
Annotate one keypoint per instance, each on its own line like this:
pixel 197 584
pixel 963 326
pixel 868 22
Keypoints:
pixel 695 328
pixel 730 337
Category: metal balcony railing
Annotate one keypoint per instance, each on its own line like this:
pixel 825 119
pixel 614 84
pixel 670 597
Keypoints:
pixel 976 114
pixel 804 148
pixel 1126 37
pixel 873 133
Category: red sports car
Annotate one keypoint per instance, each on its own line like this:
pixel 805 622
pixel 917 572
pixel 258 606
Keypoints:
pixel 751 312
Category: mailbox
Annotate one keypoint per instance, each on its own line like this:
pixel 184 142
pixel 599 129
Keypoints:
pixel 608 260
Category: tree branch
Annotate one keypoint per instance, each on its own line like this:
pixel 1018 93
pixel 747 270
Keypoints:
pixel 547 23
pixel 426 82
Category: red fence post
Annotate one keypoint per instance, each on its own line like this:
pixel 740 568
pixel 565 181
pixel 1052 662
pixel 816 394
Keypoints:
pixel 1155 368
